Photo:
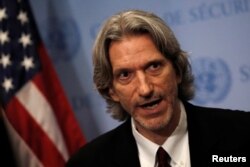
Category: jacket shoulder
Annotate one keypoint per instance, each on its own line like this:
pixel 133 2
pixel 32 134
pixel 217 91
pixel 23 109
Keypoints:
pixel 225 126
pixel 220 115
pixel 100 149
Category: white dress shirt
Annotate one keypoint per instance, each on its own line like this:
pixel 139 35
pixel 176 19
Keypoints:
pixel 176 145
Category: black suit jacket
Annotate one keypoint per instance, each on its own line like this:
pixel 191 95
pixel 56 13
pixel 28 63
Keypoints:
pixel 211 132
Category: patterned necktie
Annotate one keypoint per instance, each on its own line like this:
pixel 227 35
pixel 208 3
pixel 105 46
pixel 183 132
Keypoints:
pixel 163 158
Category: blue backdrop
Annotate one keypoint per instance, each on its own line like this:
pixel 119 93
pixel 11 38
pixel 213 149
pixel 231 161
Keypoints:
pixel 215 33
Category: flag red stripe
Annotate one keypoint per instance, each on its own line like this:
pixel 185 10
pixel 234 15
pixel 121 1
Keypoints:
pixel 47 81
pixel 32 134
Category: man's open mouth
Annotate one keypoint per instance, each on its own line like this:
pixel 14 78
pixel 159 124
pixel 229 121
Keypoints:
pixel 151 104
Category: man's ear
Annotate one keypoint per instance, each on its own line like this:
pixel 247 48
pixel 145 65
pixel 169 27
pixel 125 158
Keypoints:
pixel 113 95
pixel 179 78
pixel 178 74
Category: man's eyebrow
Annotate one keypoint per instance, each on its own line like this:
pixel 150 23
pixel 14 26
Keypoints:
pixel 155 61
pixel 120 70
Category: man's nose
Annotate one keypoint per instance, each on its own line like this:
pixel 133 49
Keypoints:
pixel 145 87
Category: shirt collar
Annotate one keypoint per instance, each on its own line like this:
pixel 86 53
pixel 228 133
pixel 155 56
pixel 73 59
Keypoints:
pixel 177 144
pixel 146 148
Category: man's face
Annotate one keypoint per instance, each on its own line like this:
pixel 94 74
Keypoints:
pixel 144 82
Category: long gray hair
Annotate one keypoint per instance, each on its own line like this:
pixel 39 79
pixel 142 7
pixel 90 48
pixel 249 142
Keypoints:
pixel 136 22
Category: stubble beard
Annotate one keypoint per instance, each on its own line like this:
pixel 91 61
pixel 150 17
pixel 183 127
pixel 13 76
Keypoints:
pixel 154 125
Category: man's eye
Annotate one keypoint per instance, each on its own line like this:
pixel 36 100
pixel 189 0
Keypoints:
pixel 154 67
pixel 124 75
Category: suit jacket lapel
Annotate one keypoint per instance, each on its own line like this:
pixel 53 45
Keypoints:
pixel 201 138
pixel 125 152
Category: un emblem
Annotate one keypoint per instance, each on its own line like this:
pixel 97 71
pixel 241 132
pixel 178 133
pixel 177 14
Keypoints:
pixel 212 80
pixel 62 39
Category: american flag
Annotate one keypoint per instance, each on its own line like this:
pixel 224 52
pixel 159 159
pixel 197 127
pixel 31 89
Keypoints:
pixel 40 121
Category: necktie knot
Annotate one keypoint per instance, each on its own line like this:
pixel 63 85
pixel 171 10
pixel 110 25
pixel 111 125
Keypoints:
pixel 163 158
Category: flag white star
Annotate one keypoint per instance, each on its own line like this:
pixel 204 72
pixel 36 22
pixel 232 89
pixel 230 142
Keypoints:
pixel 25 40
pixel 22 16
pixel 7 84
pixel 5 60
pixel 27 63
pixel 4 37
pixel 3 14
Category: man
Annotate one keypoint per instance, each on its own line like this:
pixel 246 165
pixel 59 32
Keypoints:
pixel 146 80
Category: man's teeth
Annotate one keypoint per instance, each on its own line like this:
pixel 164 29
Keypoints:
pixel 151 106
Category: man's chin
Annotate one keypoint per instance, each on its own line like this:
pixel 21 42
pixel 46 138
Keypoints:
pixel 152 125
